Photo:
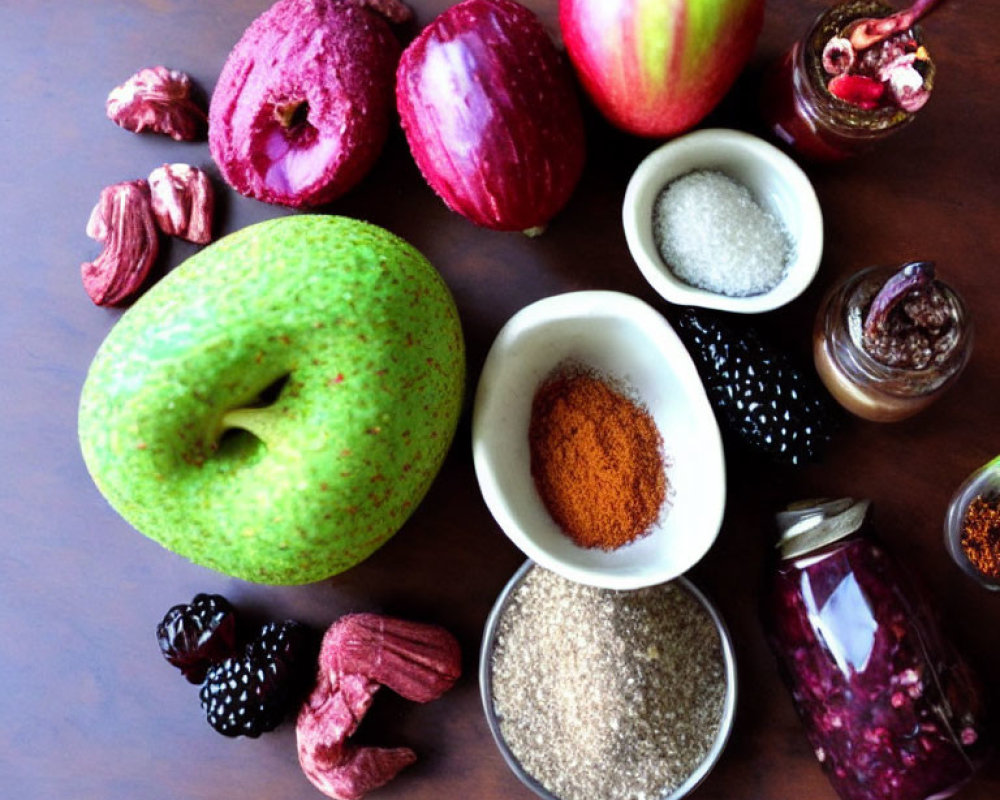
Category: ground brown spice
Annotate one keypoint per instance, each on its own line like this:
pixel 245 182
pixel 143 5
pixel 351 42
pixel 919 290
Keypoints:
pixel 596 459
pixel 606 695
pixel 981 535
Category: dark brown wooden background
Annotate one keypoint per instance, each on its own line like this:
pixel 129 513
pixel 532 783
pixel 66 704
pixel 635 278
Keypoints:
pixel 89 710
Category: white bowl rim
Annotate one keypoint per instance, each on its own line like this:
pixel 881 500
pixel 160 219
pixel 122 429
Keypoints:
pixel 726 723
pixel 734 142
pixel 571 305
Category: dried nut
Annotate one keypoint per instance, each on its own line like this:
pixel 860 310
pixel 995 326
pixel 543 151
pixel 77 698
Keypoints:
pixel 158 99
pixel 123 221
pixel 183 202
pixel 360 653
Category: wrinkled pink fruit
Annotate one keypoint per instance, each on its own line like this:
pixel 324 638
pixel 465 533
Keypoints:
pixel 361 653
pixel 491 115
pixel 304 101
pixel 123 222
pixel 157 99
pixel 183 202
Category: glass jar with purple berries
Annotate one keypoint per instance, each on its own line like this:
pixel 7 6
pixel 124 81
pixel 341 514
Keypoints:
pixel 889 707
pixel 859 75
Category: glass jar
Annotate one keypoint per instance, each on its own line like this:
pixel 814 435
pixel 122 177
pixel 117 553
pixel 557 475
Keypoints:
pixel 861 384
pixel 889 707
pixel 981 486
pixel 801 111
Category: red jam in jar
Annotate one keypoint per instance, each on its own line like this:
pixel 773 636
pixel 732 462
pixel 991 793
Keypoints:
pixel 889 707
pixel 886 83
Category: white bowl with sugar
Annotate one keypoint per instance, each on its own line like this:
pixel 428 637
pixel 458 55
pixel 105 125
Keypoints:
pixel 721 219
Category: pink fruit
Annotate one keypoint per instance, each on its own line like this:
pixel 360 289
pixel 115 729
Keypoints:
pixel 361 653
pixel 657 67
pixel 304 102
pixel 858 90
pixel 491 115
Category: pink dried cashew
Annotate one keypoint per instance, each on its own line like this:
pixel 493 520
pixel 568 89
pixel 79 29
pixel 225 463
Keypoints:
pixel 360 654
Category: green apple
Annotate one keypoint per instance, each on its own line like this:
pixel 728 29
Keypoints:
pixel 277 406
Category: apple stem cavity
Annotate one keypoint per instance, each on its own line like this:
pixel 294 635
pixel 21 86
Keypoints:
pixel 292 114
pixel 394 11
pixel 257 421
pixel 257 418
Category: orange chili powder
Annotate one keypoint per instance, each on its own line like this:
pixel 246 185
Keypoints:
pixel 596 459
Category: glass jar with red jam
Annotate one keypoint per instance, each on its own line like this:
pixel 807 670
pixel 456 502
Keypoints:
pixel 888 341
pixel 830 99
pixel 890 708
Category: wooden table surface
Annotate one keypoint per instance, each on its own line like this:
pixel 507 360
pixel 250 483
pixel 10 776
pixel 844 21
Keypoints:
pixel 88 707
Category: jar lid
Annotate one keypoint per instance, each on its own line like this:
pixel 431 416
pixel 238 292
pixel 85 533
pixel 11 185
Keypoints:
pixel 808 525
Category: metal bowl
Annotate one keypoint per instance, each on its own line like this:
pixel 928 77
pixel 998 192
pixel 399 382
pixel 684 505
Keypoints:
pixel 486 690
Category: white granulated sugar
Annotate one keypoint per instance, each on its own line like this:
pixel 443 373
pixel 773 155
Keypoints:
pixel 605 695
pixel 712 234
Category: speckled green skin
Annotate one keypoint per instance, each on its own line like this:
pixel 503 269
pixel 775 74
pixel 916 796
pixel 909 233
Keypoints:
pixel 369 337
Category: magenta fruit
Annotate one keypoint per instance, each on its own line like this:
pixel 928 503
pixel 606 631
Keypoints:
pixel 491 115
pixel 304 101
pixel 194 636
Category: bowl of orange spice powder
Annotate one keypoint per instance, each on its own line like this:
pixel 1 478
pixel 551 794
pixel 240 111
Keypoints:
pixel 972 525
pixel 594 444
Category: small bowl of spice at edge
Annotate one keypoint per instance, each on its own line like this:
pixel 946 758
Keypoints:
pixel 619 345
pixel 644 680
pixel 738 217
pixel 972 526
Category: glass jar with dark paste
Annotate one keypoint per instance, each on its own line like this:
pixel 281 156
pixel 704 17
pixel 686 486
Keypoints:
pixel 887 342
pixel 838 91
pixel 890 708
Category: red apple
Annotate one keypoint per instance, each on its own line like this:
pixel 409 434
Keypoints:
pixel 491 115
pixel 657 67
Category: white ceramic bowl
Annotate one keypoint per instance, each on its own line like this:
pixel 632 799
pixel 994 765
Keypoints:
pixel 486 691
pixel 776 183
pixel 622 337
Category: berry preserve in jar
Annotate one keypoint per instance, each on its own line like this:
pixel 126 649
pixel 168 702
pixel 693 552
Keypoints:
pixel 829 100
pixel 891 710
pixel 888 341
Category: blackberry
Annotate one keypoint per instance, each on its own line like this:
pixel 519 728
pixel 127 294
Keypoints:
pixel 759 395
pixel 194 636
pixel 251 694
pixel 288 641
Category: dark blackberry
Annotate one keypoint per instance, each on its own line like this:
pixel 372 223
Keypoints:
pixel 759 395
pixel 288 640
pixel 252 694
pixel 243 697
pixel 194 636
